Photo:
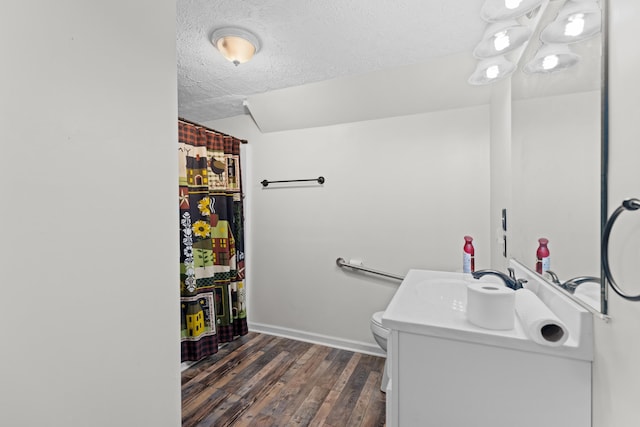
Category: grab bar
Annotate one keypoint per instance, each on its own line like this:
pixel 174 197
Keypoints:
pixel 341 263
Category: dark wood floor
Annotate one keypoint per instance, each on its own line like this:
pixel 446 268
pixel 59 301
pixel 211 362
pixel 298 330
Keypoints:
pixel 262 380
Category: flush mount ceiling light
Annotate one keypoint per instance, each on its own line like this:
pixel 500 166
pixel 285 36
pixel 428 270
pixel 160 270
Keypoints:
pixel 551 58
pixel 500 38
pixel 235 44
pixel 500 10
pixel 576 21
pixel 491 70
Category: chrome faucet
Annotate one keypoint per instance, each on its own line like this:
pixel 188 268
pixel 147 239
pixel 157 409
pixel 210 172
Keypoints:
pixel 509 281
pixel 571 284
pixel 554 278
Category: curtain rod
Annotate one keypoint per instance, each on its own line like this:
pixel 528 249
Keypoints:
pixel 244 141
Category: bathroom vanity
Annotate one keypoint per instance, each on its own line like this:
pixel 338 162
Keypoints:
pixel 447 372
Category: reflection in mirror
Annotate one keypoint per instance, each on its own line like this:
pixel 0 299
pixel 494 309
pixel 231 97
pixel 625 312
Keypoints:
pixel 556 147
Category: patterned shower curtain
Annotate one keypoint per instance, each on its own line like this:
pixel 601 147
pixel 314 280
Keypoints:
pixel 212 263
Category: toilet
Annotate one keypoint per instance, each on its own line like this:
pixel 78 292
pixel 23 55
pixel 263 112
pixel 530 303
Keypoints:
pixel 380 334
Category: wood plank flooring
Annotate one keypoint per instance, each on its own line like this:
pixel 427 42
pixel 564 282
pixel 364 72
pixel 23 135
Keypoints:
pixel 262 380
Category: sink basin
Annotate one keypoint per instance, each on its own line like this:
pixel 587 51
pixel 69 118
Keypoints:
pixel 435 298
pixel 448 292
pixel 444 294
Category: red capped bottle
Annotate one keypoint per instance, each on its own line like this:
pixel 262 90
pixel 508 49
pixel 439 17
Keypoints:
pixel 468 256
pixel 543 261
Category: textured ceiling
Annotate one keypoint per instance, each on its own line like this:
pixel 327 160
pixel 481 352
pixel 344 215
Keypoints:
pixel 306 41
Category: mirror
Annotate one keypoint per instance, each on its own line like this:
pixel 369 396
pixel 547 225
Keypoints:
pixel 556 167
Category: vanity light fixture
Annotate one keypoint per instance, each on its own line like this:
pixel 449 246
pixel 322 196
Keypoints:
pixel 577 20
pixel 501 10
pixel 491 70
pixel 235 44
pixel 551 58
pixel 500 38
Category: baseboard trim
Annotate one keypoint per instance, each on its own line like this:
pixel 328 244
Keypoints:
pixel 186 365
pixel 294 334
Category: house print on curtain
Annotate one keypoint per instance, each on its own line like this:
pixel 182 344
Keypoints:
pixel 211 241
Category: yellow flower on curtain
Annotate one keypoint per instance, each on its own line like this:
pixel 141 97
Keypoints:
pixel 201 229
pixel 203 205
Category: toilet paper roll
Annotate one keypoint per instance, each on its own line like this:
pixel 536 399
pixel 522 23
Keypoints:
pixel 538 321
pixel 491 306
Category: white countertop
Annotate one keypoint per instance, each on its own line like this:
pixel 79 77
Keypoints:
pixel 434 303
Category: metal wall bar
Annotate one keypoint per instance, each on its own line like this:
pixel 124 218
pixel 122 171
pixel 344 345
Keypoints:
pixel 342 263
pixel 319 179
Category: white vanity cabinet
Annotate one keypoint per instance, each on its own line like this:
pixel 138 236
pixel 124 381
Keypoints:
pixel 445 372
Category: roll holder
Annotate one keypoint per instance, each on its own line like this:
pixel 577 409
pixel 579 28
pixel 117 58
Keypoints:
pixel 627 205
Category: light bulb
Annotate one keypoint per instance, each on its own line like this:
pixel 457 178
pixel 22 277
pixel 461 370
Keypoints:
pixel 550 62
pixel 492 72
pixel 236 49
pixel 235 44
pixel 512 4
pixel 575 25
pixel 501 41
pixel 551 58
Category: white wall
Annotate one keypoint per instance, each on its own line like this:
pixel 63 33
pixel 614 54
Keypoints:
pixel 88 291
pixel 400 193
pixel 617 366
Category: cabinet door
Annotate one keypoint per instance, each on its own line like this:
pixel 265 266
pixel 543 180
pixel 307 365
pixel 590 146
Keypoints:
pixel 442 382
